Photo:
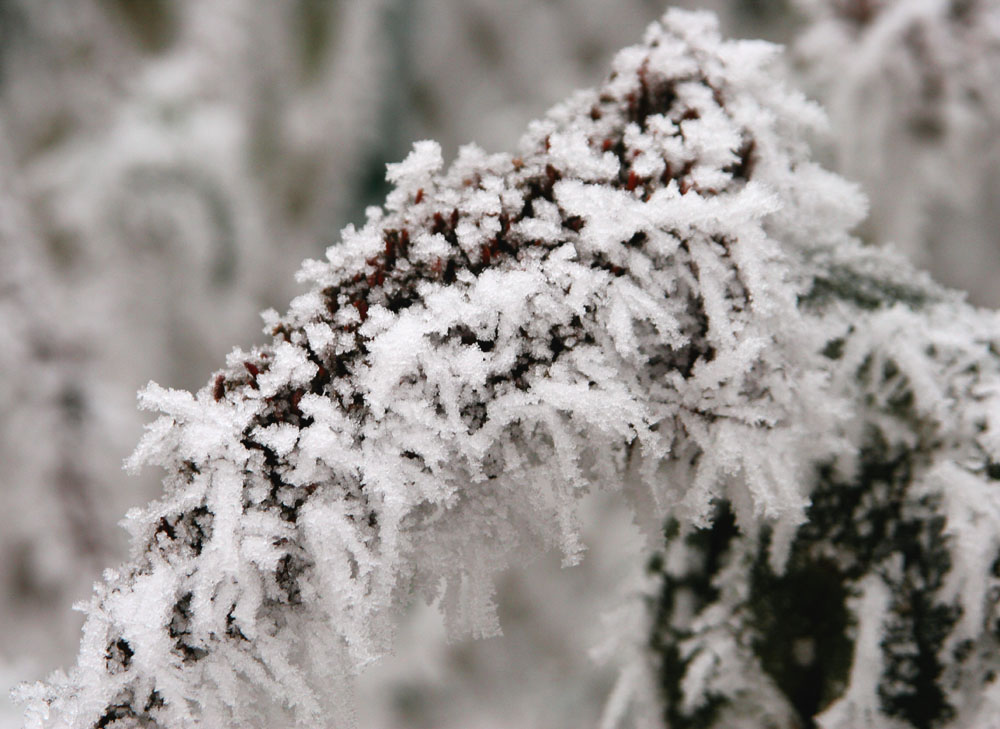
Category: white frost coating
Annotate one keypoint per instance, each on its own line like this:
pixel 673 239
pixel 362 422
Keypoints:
pixel 880 608
pixel 860 705
pixel 972 515
pixel 573 153
pixel 425 160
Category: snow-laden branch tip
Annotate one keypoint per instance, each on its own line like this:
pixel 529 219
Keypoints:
pixel 647 298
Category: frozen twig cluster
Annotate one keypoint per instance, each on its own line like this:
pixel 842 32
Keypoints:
pixel 882 612
pixel 659 296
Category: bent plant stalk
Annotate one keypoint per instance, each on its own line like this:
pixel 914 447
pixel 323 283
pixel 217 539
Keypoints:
pixel 657 295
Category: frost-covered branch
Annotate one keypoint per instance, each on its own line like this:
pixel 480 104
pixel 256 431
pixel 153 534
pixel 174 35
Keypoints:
pixel 659 296
pixel 882 611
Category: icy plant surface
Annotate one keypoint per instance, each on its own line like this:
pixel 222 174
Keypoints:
pixel 642 300
pixel 883 610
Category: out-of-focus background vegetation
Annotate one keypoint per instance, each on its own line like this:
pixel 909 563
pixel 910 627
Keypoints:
pixel 165 166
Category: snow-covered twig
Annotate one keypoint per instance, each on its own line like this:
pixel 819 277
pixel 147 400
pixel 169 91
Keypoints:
pixel 658 295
